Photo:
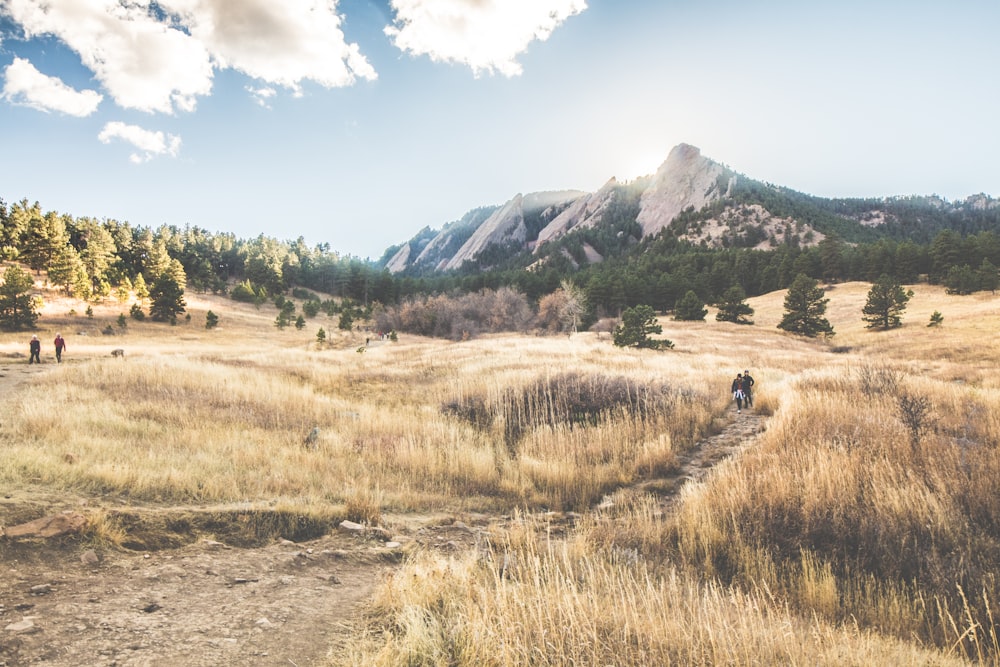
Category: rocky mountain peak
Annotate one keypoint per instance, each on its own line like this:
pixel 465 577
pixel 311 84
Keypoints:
pixel 685 178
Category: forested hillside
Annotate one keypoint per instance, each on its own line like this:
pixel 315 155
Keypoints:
pixel 910 239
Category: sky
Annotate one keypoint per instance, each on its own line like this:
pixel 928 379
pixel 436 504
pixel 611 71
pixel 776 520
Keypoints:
pixel 356 123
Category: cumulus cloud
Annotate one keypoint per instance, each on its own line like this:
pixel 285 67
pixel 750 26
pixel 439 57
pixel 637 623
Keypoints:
pixel 281 43
pixel 142 62
pixel 486 35
pixel 263 95
pixel 23 84
pixel 161 56
pixel 150 144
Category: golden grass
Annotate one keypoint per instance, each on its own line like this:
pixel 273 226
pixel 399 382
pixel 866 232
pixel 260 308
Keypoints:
pixel 534 602
pixel 834 540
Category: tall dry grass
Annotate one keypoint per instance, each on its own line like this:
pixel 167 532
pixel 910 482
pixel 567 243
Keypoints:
pixel 220 424
pixel 842 513
pixel 530 601
pixel 839 538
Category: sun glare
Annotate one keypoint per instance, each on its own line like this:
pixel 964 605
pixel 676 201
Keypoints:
pixel 642 165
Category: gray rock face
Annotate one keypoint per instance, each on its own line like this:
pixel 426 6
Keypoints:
pixel 684 179
pixel 585 212
pixel 508 224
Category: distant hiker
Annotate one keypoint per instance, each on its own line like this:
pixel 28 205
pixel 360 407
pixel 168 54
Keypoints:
pixel 60 346
pixel 748 383
pixel 36 348
pixel 737 389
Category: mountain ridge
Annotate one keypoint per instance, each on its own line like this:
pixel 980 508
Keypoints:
pixel 694 198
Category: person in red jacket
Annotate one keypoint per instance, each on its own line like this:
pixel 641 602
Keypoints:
pixel 60 346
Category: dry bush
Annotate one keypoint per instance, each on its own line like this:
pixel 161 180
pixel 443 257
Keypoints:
pixel 878 379
pixel 460 316
pixel 837 513
pixel 570 399
pixel 576 436
pixel 530 601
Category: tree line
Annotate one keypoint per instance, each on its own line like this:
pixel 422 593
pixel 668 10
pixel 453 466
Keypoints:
pixel 93 259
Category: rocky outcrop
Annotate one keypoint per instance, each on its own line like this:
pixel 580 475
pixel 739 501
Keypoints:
pixel 685 179
pixel 400 260
pixel 585 212
pixel 50 526
pixel 507 224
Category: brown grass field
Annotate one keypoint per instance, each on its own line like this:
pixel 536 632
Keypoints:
pixel 849 533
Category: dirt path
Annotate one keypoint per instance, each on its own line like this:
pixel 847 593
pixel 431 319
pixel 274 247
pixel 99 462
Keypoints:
pixel 206 603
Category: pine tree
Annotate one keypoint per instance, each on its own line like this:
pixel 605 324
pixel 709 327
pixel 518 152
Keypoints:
pixel 691 308
pixel 167 299
pixel 45 238
pixel 18 309
pixel 988 277
pixel 886 303
pixel 636 325
pixel 141 290
pixel 961 280
pixel 65 268
pixel 805 306
pixel 733 307
pixel 211 320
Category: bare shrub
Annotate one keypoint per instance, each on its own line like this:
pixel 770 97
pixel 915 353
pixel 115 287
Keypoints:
pixel 878 379
pixel 915 413
pixel 605 325
pixel 459 316
pixel 569 399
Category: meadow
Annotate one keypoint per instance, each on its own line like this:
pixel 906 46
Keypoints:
pixel 859 528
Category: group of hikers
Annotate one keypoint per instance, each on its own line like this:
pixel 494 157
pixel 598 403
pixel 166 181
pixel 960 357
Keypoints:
pixel 35 348
pixel 742 389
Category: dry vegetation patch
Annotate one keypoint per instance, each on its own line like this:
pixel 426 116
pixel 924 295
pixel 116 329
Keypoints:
pixel 853 531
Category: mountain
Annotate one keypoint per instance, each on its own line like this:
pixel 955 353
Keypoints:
pixel 693 198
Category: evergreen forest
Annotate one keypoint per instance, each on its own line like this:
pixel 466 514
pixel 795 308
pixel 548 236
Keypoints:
pixel 917 239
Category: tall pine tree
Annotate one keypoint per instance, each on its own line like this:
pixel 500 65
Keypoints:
pixel 886 303
pixel 805 307
pixel 733 307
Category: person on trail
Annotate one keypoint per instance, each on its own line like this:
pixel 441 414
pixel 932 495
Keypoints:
pixel 748 383
pixel 60 346
pixel 737 389
pixel 35 347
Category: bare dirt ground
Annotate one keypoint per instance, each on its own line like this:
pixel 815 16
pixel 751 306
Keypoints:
pixel 192 596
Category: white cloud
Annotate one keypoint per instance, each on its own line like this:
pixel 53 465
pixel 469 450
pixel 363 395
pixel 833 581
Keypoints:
pixel 486 35
pixel 281 43
pixel 150 144
pixel 262 95
pixel 26 85
pixel 162 58
pixel 142 62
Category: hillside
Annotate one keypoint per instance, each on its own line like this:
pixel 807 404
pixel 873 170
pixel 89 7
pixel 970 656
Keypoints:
pixel 692 198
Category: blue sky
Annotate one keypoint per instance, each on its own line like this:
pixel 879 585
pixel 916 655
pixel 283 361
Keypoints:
pixel 357 123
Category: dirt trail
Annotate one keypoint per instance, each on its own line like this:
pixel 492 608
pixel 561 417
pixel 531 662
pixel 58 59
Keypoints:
pixel 206 603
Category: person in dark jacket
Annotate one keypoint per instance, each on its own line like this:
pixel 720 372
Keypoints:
pixel 60 346
pixel 737 389
pixel 35 347
pixel 748 383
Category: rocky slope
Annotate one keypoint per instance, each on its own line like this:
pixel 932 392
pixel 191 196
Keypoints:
pixel 702 201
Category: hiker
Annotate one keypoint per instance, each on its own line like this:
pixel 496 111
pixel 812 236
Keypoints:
pixel 60 346
pixel 737 389
pixel 748 383
pixel 35 347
